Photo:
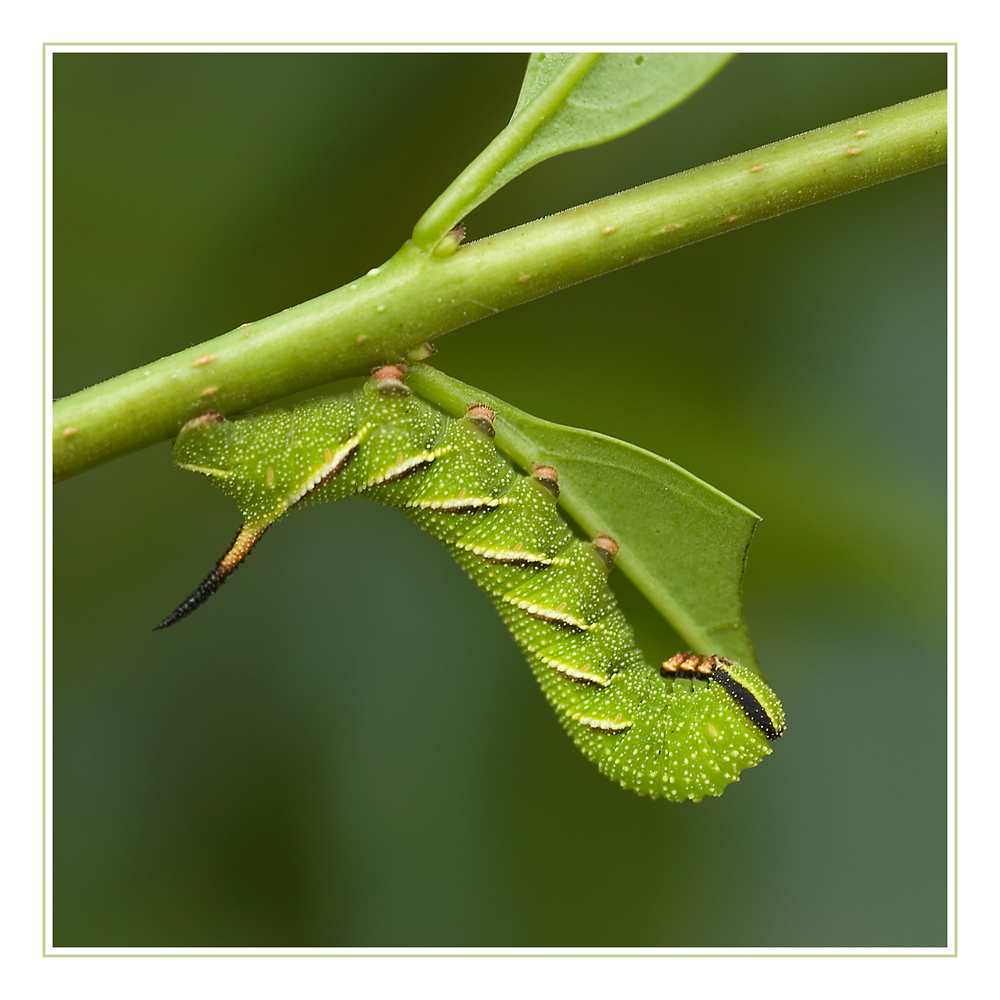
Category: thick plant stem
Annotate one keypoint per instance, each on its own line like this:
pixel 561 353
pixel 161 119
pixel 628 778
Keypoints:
pixel 415 296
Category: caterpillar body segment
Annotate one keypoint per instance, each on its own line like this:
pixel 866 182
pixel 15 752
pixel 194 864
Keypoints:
pixel 682 731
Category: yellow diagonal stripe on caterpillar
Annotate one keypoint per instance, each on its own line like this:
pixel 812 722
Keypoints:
pixel 403 467
pixel 552 615
pixel 220 473
pixel 510 557
pixel 583 673
pixel 458 504
pixel 333 464
pixel 615 725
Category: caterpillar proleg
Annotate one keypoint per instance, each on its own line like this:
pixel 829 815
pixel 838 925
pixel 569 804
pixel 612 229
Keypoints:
pixel 681 731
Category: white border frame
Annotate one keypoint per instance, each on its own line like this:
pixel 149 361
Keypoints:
pixel 949 950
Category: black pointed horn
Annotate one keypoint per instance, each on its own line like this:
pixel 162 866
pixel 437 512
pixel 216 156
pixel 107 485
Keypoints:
pixel 245 540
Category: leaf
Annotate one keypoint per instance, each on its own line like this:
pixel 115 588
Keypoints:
pixel 569 101
pixel 620 92
pixel 681 541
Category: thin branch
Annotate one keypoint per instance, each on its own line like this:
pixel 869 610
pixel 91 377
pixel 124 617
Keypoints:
pixel 416 297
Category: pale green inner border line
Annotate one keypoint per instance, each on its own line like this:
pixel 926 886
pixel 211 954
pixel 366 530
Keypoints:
pixel 950 49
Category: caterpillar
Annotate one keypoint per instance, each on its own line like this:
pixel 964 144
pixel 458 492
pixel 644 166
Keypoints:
pixel 681 731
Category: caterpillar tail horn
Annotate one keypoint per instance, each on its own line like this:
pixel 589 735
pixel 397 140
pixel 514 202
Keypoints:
pixel 244 542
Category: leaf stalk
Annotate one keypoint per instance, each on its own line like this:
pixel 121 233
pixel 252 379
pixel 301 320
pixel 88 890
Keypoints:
pixel 465 192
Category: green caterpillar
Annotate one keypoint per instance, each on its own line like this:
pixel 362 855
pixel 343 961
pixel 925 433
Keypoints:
pixel 679 732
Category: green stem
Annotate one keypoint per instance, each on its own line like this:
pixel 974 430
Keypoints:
pixel 415 296
pixel 465 192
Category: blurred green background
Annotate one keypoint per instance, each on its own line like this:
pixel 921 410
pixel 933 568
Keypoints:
pixel 345 748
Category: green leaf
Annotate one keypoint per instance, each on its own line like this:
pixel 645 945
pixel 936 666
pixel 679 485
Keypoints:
pixel 568 101
pixel 619 93
pixel 681 541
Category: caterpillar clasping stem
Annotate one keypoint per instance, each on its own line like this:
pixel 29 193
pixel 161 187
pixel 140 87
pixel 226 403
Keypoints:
pixel 680 732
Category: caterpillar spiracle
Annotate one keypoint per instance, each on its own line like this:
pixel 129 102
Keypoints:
pixel 681 731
